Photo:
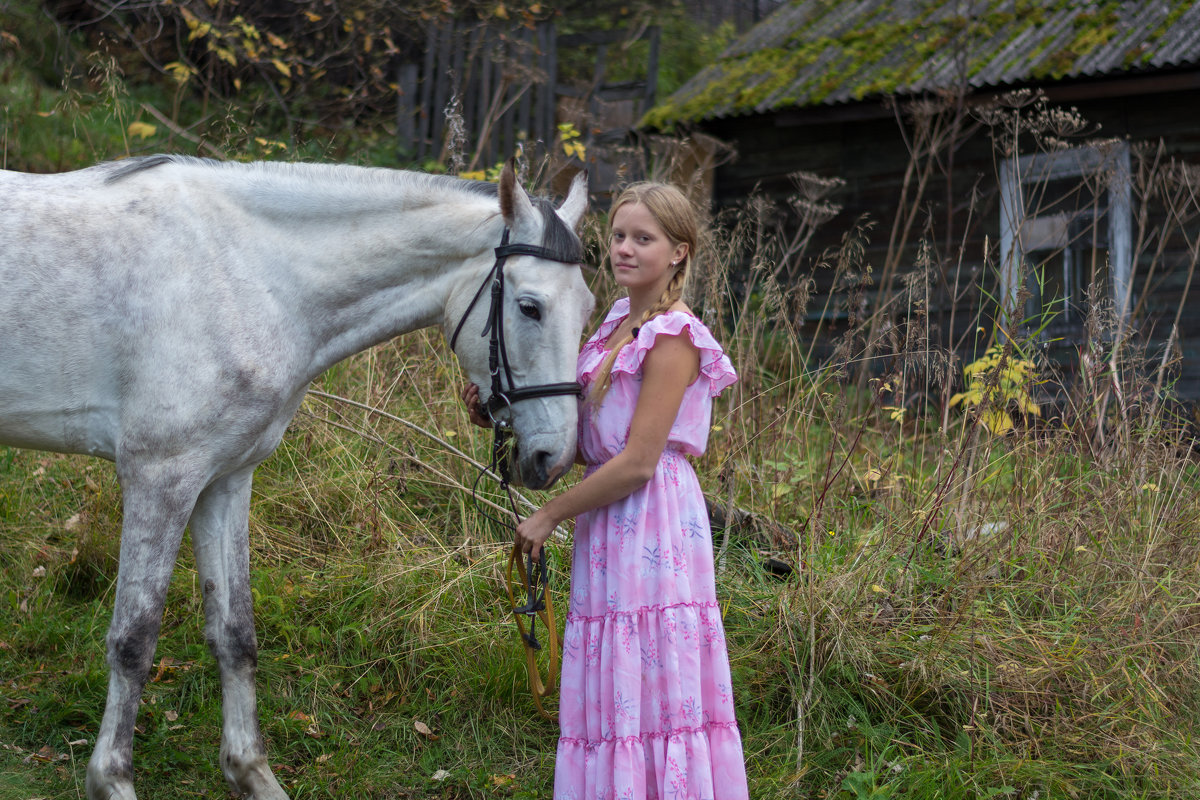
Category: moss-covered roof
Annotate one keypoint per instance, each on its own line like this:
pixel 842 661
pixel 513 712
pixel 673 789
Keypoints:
pixel 813 52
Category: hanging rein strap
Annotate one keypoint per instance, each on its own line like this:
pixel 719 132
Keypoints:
pixel 538 604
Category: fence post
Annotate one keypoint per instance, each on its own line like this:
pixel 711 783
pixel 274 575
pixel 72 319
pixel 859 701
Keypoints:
pixel 406 110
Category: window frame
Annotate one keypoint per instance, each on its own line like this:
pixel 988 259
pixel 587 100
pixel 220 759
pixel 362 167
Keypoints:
pixel 1111 162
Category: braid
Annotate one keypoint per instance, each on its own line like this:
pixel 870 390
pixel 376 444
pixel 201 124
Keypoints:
pixel 671 295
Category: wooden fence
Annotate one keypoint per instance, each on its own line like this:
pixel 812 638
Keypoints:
pixel 481 90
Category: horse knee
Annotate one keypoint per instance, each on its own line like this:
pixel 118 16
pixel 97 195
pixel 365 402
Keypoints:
pixel 131 645
pixel 234 646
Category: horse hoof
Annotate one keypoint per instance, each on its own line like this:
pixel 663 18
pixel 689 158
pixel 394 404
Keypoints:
pixel 112 790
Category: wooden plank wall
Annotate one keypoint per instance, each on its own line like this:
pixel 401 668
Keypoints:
pixel 506 87
pixel 870 155
pixel 501 81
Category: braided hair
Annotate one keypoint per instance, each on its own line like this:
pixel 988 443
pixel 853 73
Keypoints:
pixel 677 217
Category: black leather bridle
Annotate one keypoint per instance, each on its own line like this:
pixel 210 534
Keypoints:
pixel 504 392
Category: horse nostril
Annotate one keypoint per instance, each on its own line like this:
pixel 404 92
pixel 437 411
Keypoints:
pixel 543 462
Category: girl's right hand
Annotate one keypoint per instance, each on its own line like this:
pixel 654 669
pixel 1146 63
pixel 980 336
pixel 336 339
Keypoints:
pixel 470 396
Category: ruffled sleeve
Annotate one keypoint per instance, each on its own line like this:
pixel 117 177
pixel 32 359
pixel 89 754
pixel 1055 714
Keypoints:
pixel 715 366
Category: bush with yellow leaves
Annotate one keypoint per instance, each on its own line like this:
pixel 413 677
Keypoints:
pixel 998 382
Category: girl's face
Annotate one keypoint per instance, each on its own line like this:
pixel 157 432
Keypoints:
pixel 641 252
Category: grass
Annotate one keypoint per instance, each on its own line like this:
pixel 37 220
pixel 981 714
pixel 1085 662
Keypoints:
pixel 969 614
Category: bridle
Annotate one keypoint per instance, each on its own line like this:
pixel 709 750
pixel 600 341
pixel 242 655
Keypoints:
pixel 502 397
pixel 504 393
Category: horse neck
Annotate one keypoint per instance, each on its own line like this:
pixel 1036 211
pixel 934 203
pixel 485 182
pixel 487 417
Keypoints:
pixel 366 255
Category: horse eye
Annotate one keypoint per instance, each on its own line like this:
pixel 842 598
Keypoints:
pixel 531 310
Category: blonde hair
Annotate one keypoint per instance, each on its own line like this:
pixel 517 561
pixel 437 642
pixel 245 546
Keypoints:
pixel 677 217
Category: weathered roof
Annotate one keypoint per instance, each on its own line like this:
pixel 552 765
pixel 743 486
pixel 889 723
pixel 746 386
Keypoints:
pixel 812 52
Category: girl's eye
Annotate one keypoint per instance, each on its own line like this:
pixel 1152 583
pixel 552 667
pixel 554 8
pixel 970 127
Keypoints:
pixel 531 310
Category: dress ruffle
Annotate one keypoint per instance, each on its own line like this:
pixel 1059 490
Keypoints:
pixel 714 364
pixel 688 764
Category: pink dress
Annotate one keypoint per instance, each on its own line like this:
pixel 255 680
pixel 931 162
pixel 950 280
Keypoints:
pixel 646 709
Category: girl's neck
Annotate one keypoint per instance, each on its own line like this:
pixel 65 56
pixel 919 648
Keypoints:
pixel 640 302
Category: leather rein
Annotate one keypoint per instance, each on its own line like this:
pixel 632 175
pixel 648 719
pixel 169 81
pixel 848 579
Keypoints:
pixel 534 576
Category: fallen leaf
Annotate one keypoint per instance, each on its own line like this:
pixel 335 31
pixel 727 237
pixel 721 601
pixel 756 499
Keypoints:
pixel 423 729
pixel 171 715
pixel 164 664
pixel 441 775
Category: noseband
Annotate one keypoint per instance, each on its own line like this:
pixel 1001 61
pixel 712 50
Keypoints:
pixel 501 373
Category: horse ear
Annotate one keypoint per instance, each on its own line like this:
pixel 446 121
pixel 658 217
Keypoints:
pixel 515 206
pixel 571 211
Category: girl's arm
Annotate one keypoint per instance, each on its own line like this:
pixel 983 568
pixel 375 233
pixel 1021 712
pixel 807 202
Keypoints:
pixel 672 364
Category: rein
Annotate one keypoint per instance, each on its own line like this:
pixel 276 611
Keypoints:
pixel 534 577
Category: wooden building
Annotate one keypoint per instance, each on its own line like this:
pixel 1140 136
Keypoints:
pixel 1040 160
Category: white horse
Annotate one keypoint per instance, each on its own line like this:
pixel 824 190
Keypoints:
pixel 168 314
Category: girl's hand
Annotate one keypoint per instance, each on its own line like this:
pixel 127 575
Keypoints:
pixel 533 531
pixel 470 396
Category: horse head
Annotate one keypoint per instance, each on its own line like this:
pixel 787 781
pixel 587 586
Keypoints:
pixel 531 309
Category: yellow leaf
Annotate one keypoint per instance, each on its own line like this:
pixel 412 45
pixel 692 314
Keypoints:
pixel 181 72
pixel 997 421
pixel 276 41
pixel 142 130
pixel 199 29
pixel 877 589
pixel 224 53
pixel 282 67
pixel 312 16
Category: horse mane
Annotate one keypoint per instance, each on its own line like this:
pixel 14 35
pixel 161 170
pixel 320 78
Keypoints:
pixel 556 235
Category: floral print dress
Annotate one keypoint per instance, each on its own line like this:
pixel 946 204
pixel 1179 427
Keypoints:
pixel 646 710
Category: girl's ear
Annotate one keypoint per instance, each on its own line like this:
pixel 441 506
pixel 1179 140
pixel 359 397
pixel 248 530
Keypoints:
pixel 681 251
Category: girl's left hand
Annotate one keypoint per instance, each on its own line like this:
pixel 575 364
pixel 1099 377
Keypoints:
pixel 475 410
pixel 533 531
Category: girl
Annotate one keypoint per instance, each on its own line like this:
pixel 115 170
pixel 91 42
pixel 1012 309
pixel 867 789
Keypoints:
pixel 646 709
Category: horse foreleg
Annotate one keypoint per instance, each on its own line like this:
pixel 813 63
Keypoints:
pixel 220 536
pixel 155 513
